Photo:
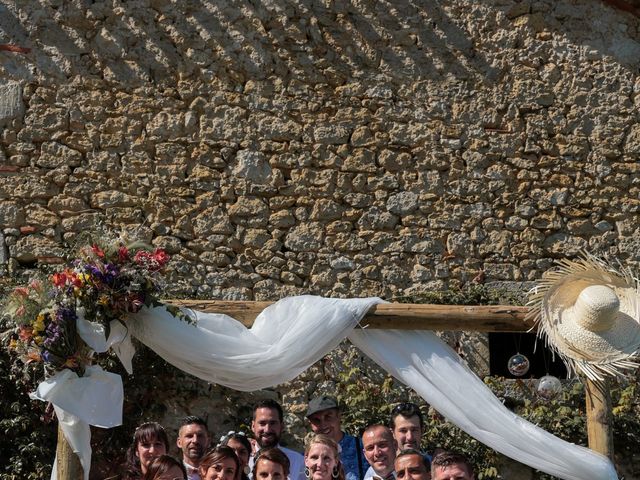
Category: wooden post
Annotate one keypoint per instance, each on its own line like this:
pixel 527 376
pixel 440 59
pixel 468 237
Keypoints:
pixel 69 467
pixel 599 419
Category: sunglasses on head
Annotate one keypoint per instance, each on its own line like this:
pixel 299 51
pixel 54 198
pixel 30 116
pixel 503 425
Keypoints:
pixel 405 407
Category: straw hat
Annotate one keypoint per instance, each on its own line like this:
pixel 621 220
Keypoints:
pixel 590 314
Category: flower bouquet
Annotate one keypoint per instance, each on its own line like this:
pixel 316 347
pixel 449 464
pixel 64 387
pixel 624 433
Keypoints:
pixel 107 281
pixel 60 322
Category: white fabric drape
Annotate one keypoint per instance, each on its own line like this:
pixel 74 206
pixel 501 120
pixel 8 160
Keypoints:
pixel 93 399
pixel 428 365
pixel 285 339
pixel 295 332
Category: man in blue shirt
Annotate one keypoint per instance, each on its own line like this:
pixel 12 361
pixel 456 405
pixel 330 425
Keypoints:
pixel 324 416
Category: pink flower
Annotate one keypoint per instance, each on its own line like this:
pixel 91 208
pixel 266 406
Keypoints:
pixel 25 333
pixel 97 250
pixel 22 291
pixel 160 257
pixel 136 305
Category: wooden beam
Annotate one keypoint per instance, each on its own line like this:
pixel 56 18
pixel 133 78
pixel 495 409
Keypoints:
pixel 401 316
pixel 599 419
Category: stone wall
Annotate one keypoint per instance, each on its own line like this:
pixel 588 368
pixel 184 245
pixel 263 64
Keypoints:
pixel 336 148
pixel 339 148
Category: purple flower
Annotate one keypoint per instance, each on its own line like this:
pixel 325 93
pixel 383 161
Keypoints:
pixel 107 274
pixel 53 334
pixel 65 314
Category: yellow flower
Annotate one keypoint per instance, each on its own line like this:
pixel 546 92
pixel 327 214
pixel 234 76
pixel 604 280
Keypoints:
pixel 38 339
pixel 103 300
pixel 13 344
pixel 38 325
pixel 84 277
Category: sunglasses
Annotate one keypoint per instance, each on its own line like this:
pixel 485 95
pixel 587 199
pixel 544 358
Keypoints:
pixel 408 408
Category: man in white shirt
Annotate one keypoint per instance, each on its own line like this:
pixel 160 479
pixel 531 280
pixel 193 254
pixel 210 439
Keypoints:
pixel 193 441
pixel 267 429
pixel 379 448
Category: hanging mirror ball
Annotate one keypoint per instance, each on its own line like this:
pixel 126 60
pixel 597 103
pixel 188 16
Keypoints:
pixel 518 365
pixel 549 386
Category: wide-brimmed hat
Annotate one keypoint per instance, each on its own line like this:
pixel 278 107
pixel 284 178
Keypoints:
pixel 589 313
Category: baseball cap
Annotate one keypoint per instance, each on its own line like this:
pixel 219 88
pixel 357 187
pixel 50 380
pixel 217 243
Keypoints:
pixel 324 402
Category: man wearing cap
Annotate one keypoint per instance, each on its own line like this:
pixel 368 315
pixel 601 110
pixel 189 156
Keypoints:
pixel 407 425
pixel 379 448
pixel 410 464
pixel 324 416
pixel 267 426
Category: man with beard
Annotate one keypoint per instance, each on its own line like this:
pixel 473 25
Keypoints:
pixel 380 450
pixel 193 440
pixel 267 429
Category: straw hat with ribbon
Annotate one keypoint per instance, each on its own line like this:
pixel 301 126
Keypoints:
pixel 589 314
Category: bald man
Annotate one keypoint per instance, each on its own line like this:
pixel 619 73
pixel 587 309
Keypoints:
pixel 379 448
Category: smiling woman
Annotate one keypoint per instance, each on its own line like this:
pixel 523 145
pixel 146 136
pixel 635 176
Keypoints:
pixel 322 459
pixel 221 463
pixel 149 441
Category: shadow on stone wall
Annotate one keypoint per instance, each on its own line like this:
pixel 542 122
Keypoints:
pixel 139 42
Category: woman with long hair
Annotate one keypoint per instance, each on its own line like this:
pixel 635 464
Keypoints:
pixel 149 441
pixel 221 463
pixel 165 467
pixel 240 444
pixel 322 459
pixel 271 464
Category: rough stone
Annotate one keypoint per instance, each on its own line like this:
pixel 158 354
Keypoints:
pixel 113 198
pixel 41 217
pixel 211 221
pixel 54 155
pixel 11 105
pixel 252 166
pixel 11 214
pixel 250 211
pixel 402 203
pixel 27 249
pixel 4 251
pixel 307 237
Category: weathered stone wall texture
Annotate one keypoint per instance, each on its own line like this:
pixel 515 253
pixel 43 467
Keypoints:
pixel 338 148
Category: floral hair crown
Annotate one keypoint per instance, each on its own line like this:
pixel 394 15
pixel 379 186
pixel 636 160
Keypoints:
pixel 229 434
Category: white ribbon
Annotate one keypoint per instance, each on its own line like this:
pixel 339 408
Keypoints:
pixel 93 399
pixel 93 334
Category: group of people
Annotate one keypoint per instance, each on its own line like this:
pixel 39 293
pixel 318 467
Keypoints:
pixel 382 453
